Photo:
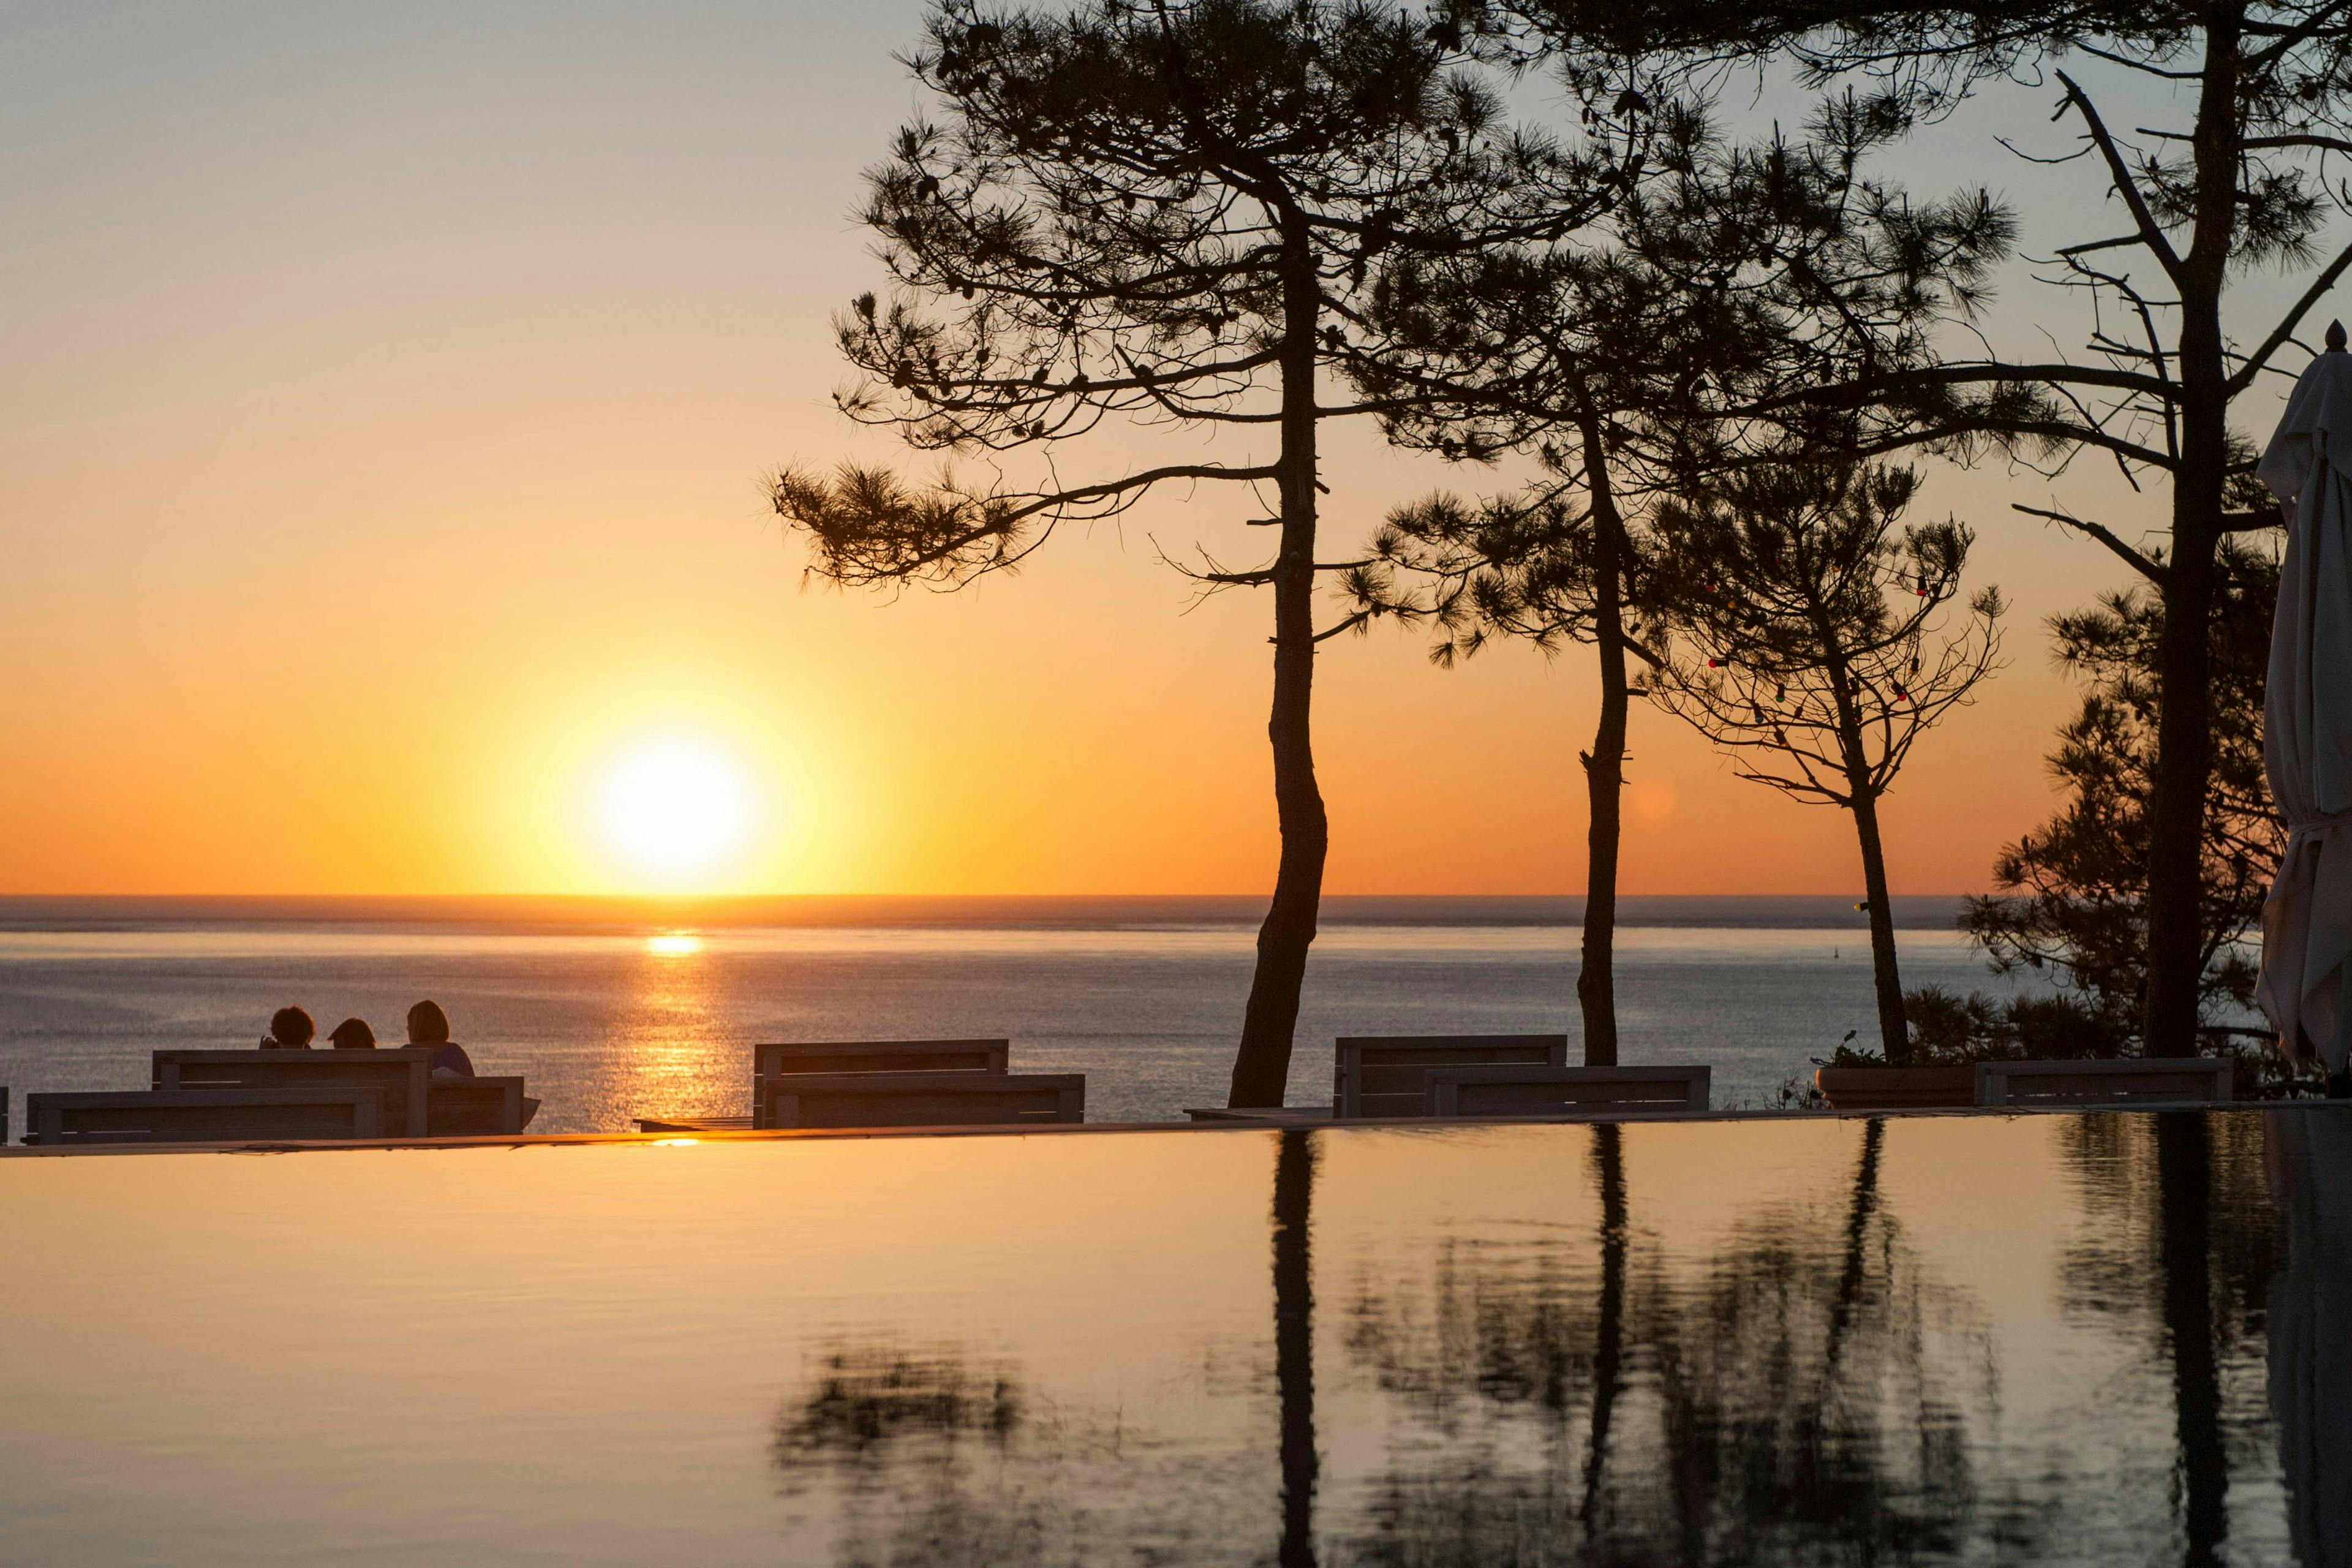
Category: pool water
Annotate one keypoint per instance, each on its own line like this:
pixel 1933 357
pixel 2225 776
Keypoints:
pixel 2099 1338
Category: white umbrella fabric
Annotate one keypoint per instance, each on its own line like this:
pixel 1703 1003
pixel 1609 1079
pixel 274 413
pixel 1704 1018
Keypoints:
pixel 2307 713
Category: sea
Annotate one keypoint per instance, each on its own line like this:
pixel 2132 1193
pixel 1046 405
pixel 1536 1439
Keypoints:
pixel 616 1008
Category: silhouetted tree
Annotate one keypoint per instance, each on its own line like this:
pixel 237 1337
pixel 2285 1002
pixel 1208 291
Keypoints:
pixel 1816 652
pixel 2221 172
pixel 1731 271
pixel 2073 895
pixel 1554 564
pixel 1169 212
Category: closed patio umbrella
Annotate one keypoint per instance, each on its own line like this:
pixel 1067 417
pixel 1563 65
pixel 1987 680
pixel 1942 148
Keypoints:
pixel 2308 714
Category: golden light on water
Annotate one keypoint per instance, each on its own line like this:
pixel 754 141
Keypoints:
pixel 674 944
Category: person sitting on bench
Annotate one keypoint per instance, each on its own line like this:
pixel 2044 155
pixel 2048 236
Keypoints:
pixel 428 1026
pixel 290 1029
pixel 353 1035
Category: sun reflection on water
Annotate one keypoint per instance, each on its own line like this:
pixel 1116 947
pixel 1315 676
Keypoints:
pixel 676 1057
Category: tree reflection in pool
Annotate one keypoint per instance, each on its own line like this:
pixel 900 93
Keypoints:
pixel 1603 1361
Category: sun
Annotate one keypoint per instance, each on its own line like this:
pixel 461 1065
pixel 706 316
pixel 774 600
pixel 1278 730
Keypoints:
pixel 674 809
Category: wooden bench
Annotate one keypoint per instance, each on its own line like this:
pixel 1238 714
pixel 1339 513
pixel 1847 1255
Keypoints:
pixel 1388 1075
pixel 778 1059
pixel 801 1058
pixel 1556 1092
pixel 921 1100
pixel 323 1111
pixel 399 1074
pixel 2160 1080
pixel 460 1107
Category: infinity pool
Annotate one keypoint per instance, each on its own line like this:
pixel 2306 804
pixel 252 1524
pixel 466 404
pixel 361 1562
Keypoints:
pixel 1973 1338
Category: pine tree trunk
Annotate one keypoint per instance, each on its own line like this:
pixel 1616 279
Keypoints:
pixel 1262 1065
pixel 2184 742
pixel 1861 801
pixel 1604 766
pixel 1894 1037
pixel 2184 766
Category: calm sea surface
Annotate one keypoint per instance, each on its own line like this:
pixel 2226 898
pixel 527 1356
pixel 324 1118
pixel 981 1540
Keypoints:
pixel 614 1010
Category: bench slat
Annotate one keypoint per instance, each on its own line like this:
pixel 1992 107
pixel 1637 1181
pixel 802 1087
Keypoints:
pixel 1541 1091
pixel 775 1059
pixel 201 1115
pixel 2160 1081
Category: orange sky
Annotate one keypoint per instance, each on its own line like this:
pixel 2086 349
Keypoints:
pixel 388 396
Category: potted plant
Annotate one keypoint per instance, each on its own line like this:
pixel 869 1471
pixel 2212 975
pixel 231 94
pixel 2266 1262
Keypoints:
pixel 1950 1034
pixel 1864 1080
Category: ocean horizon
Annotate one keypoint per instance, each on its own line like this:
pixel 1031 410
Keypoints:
pixel 618 1007
pixel 1823 912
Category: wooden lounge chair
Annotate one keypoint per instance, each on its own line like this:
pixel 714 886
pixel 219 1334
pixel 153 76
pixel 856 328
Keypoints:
pixel 400 1075
pixel 323 1111
pixel 460 1107
pixel 1559 1091
pixel 2148 1080
pixel 922 1099
pixel 1388 1075
pixel 799 1059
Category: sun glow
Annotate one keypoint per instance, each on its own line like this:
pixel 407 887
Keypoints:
pixel 674 944
pixel 674 810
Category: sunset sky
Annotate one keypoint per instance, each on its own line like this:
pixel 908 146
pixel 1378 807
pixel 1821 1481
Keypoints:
pixel 387 395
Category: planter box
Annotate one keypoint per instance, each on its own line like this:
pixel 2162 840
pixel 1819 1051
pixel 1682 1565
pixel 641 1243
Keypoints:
pixel 1898 1089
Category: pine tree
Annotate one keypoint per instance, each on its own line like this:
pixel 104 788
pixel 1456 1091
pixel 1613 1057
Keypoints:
pixel 1169 214
pixel 1729 274
pixel 1818 649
